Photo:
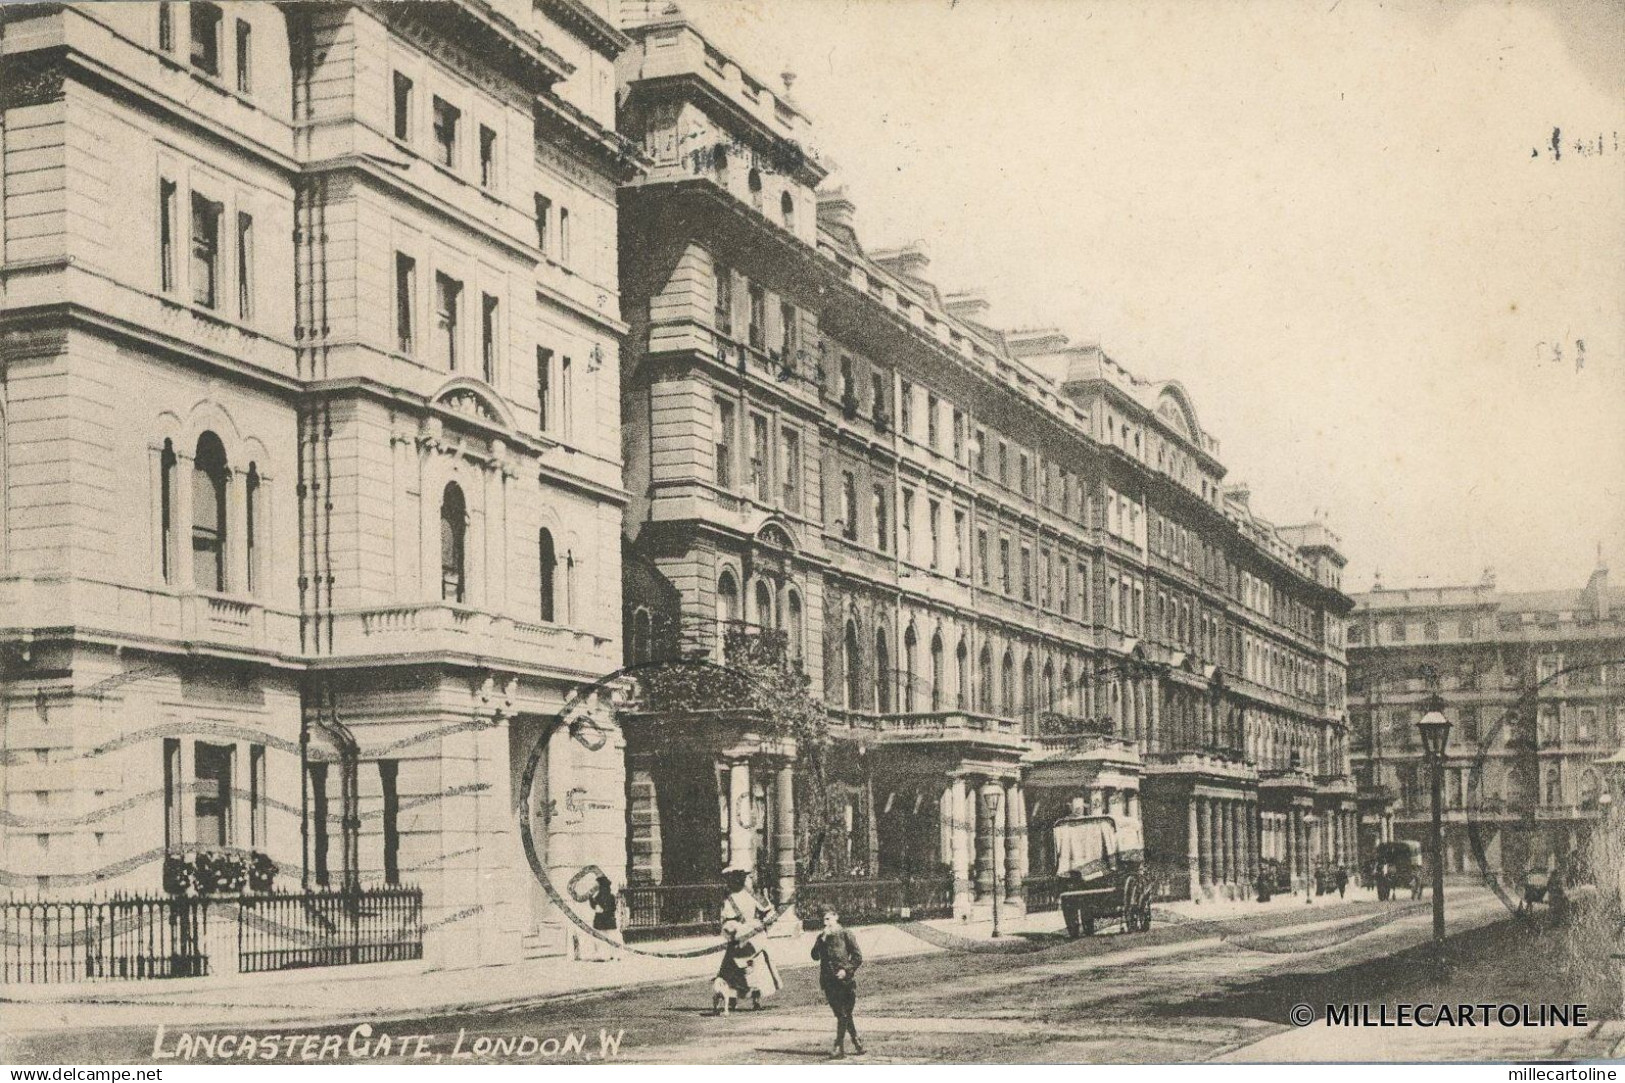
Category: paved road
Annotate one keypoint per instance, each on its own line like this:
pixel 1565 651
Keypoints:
pixel 1182 992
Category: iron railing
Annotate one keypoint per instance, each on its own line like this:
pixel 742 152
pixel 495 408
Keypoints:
pixel 329 928
pixel 1042 893
pixel 868 902
pixel 661 910
pixel 126 937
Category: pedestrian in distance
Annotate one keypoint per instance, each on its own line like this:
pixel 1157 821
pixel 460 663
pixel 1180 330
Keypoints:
pixel 605 921
pixel 1342 881
pixel 839 957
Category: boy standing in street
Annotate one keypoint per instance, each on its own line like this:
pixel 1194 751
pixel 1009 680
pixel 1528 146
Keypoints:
pixel 839 957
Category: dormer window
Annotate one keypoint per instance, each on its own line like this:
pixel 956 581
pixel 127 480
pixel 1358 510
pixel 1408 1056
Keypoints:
pixel 206 37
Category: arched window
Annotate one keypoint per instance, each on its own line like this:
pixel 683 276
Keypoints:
pixel 984 684
pixel 764 605
pixel 719 160
pixel 166 511
pixel 962 675
pixel 883 674
pixel 1554 786
pixel 792 625
pixel 1007 685
pixel 251 526
pixel 1067 705
pixel 547 564
pixel 910 668
pixel 754 182
pixel 1028 700
pixel 727 610
pixel 453 544
pixel 851 658
pixel 640 647
pixel 936 671
pixel 787 207
pixel 1048 703
pixel 209 514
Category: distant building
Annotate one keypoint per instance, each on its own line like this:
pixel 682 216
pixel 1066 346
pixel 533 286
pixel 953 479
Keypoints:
pixel 1533 681
pixel 1013 570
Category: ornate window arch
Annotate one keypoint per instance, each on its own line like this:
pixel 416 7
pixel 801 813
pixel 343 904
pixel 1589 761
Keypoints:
pixel 910 667
pixel 936 671
pixel 852 662
pixel 453 544
pixel 210 474
pixel 883 673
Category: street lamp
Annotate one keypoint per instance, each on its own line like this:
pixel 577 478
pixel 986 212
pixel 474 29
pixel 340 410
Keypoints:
pixel 990 803
pixel 1435 730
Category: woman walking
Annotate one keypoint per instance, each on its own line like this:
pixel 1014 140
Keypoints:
pixel 605 921
pixel 746 971
pixel 839 957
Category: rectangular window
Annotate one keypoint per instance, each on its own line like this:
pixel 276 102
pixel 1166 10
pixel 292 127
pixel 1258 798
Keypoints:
pixel 1025 474
pixel 792 470
pixel 488 337
pixel 406 289
pixel 959 544
pixel 849 505
pixel 761 474
pixel 448 301
pixel 877 391
pixel 564 236
pixel 172 791
pixel 544 384
pixel 544 211
pixel 245 265
pixel 722 316
pixel 931 408
pixel 1005 582
pixel 905 408
pixel 882 520
pixel 1066 587
pixel 983 572
pixel 566 399
pixel 725 443
pixel 389 782
pixel 205 37
pixel 1004 464
pixel 787 326
pixel 166 28
pixel 403 107
pixel 166 233
pixel 1026 574
pixel 211 788
pixel 256 797
pixel 446 117
pixel 206 251
pixel 933 514
pixel 488 157
pixel 905 521
pixel 756 331
pixel 245 57
pixel 318 823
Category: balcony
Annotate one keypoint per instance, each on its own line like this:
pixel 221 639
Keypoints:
pixel 1215 764
pixel 91 607
pixel 440 628
pixel 935 727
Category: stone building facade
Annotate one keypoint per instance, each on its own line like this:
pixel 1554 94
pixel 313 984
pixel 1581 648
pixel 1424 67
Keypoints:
pixel 1533 685
pixel 309 353
pixel 1013 570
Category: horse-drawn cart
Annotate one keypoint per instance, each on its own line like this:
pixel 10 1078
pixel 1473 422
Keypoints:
pixel 1100 864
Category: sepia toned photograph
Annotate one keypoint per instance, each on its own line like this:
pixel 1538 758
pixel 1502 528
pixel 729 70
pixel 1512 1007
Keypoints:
pixel 783 532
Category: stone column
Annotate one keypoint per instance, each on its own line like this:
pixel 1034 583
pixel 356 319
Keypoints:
pixel 945 825
pixel 1215 835
pixel 1192 852
pixel 1015 844
pixel 1204 842
pixel 1154 687
pixel 987 837
pixel 785 842
pixel 1255 829
pixel 1226 860
pixel 1237 845
pixel 962 837
pixel 741 854
pixel 1289 833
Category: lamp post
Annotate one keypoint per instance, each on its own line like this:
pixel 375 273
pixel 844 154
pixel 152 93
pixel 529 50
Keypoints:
pixel 990 802
pixel 1435 730
pixel 1309 822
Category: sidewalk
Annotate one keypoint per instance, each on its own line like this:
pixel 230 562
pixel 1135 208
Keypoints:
pixel 395 990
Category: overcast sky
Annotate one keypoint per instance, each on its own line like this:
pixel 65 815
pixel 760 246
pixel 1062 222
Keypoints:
pixel 1340 224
